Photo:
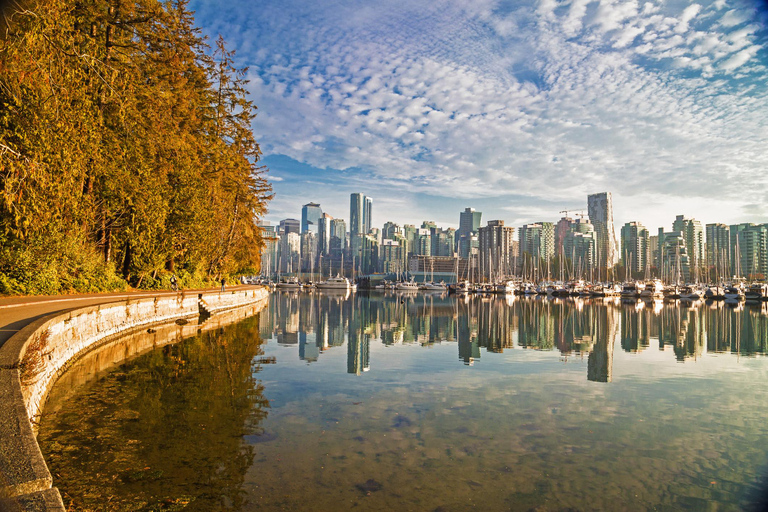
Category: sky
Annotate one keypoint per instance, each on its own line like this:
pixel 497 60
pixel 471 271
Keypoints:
pixel 519 109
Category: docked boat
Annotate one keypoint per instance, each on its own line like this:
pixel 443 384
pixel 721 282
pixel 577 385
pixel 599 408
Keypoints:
pixel 691 293
pixel 336 283
pixel 757 291
pixel 653 289
pixel 460 287
pixel 734 294
pixel 672 292
pixel 435 287
pixel 716 292
pixel 632 289
pixel 601 290
pixel 529 289
pixel 574 288
pixel 407 286
pixel 505 287
pixel 290 283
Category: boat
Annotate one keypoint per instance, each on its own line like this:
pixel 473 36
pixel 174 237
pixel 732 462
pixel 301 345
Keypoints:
pixel 529 289
pixel 632 289
pixel 290 283
pixel 733 294
pixel 714 292
pixel 336 283
pixel 505 287
pixel 460 287
pixel 756 291
pixel 435 287
pixel 653 289
pixel 672 292
pixel 408 286
pixel 689 292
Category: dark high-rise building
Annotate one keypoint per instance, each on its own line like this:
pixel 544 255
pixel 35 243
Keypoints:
pixel 289 226
pixel 311 213
pixel 469 223
pixel 360 211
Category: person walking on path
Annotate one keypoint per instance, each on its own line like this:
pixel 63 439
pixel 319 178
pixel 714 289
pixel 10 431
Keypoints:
pixel 223 282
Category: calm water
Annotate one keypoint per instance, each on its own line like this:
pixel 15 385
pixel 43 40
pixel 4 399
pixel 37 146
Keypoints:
pixel 419 402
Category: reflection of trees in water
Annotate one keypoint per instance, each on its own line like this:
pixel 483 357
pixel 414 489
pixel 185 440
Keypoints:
pixel 165 428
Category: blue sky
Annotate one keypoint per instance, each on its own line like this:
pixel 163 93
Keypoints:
pixel 516 108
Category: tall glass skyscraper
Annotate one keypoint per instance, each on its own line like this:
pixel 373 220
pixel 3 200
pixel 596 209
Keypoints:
pixel 360 211
pixel 311 213
pixel 600 209
pixel 469 223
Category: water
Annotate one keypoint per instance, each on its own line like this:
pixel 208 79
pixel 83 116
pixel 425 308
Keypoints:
pixel 419 402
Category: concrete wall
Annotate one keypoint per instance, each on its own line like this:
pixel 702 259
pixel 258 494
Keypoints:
pixel 33 359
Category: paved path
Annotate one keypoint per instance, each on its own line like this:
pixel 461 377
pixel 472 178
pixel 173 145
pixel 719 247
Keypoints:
pixel 18 311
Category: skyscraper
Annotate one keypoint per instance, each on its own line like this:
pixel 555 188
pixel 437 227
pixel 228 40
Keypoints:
pixel 469 223
pixel 562 228
pixel 367 220
pixel 750 249
pixel 537 240
pixel 694 240
pixel 356 214
pixel 718 249
pixel 579 246
pixel 325 233
pixel 310 217
pixel 289 226
pixel 600 209
pixel 635 246
pixel 496 249
pixel 360 210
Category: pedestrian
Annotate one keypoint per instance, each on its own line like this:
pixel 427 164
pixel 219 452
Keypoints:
pixel 223 282
pixel 174 285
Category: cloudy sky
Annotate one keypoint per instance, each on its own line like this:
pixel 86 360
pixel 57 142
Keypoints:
pixel 516 108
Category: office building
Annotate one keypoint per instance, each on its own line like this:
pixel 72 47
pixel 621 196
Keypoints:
pixel 718 250
pixel 579 246
pixel 750 250
pixel 310 217
pixel 360 210
pixel 600 210
pixel 496 249
pixel 537 241
pixel 675 264
pixel 694 241
pixel 469 223
pixel 324 234
pixel 289 226
pixel 635 247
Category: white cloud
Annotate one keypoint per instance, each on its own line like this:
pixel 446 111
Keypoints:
pixel 547 100
pixel 737 60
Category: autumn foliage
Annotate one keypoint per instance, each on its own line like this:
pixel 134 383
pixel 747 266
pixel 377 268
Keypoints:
pixel 126 150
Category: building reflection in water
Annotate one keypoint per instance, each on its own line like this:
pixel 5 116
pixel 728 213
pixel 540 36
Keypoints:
pixel 320 321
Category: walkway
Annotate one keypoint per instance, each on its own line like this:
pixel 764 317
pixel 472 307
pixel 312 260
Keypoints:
pixel 18 311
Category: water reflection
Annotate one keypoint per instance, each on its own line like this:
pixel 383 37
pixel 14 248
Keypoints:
pixel 172 438
pixel 321 321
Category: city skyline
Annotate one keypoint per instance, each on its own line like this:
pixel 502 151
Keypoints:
pixel 515 109
pixel 379 218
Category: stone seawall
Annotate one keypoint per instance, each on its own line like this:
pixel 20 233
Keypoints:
pixel 33 359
